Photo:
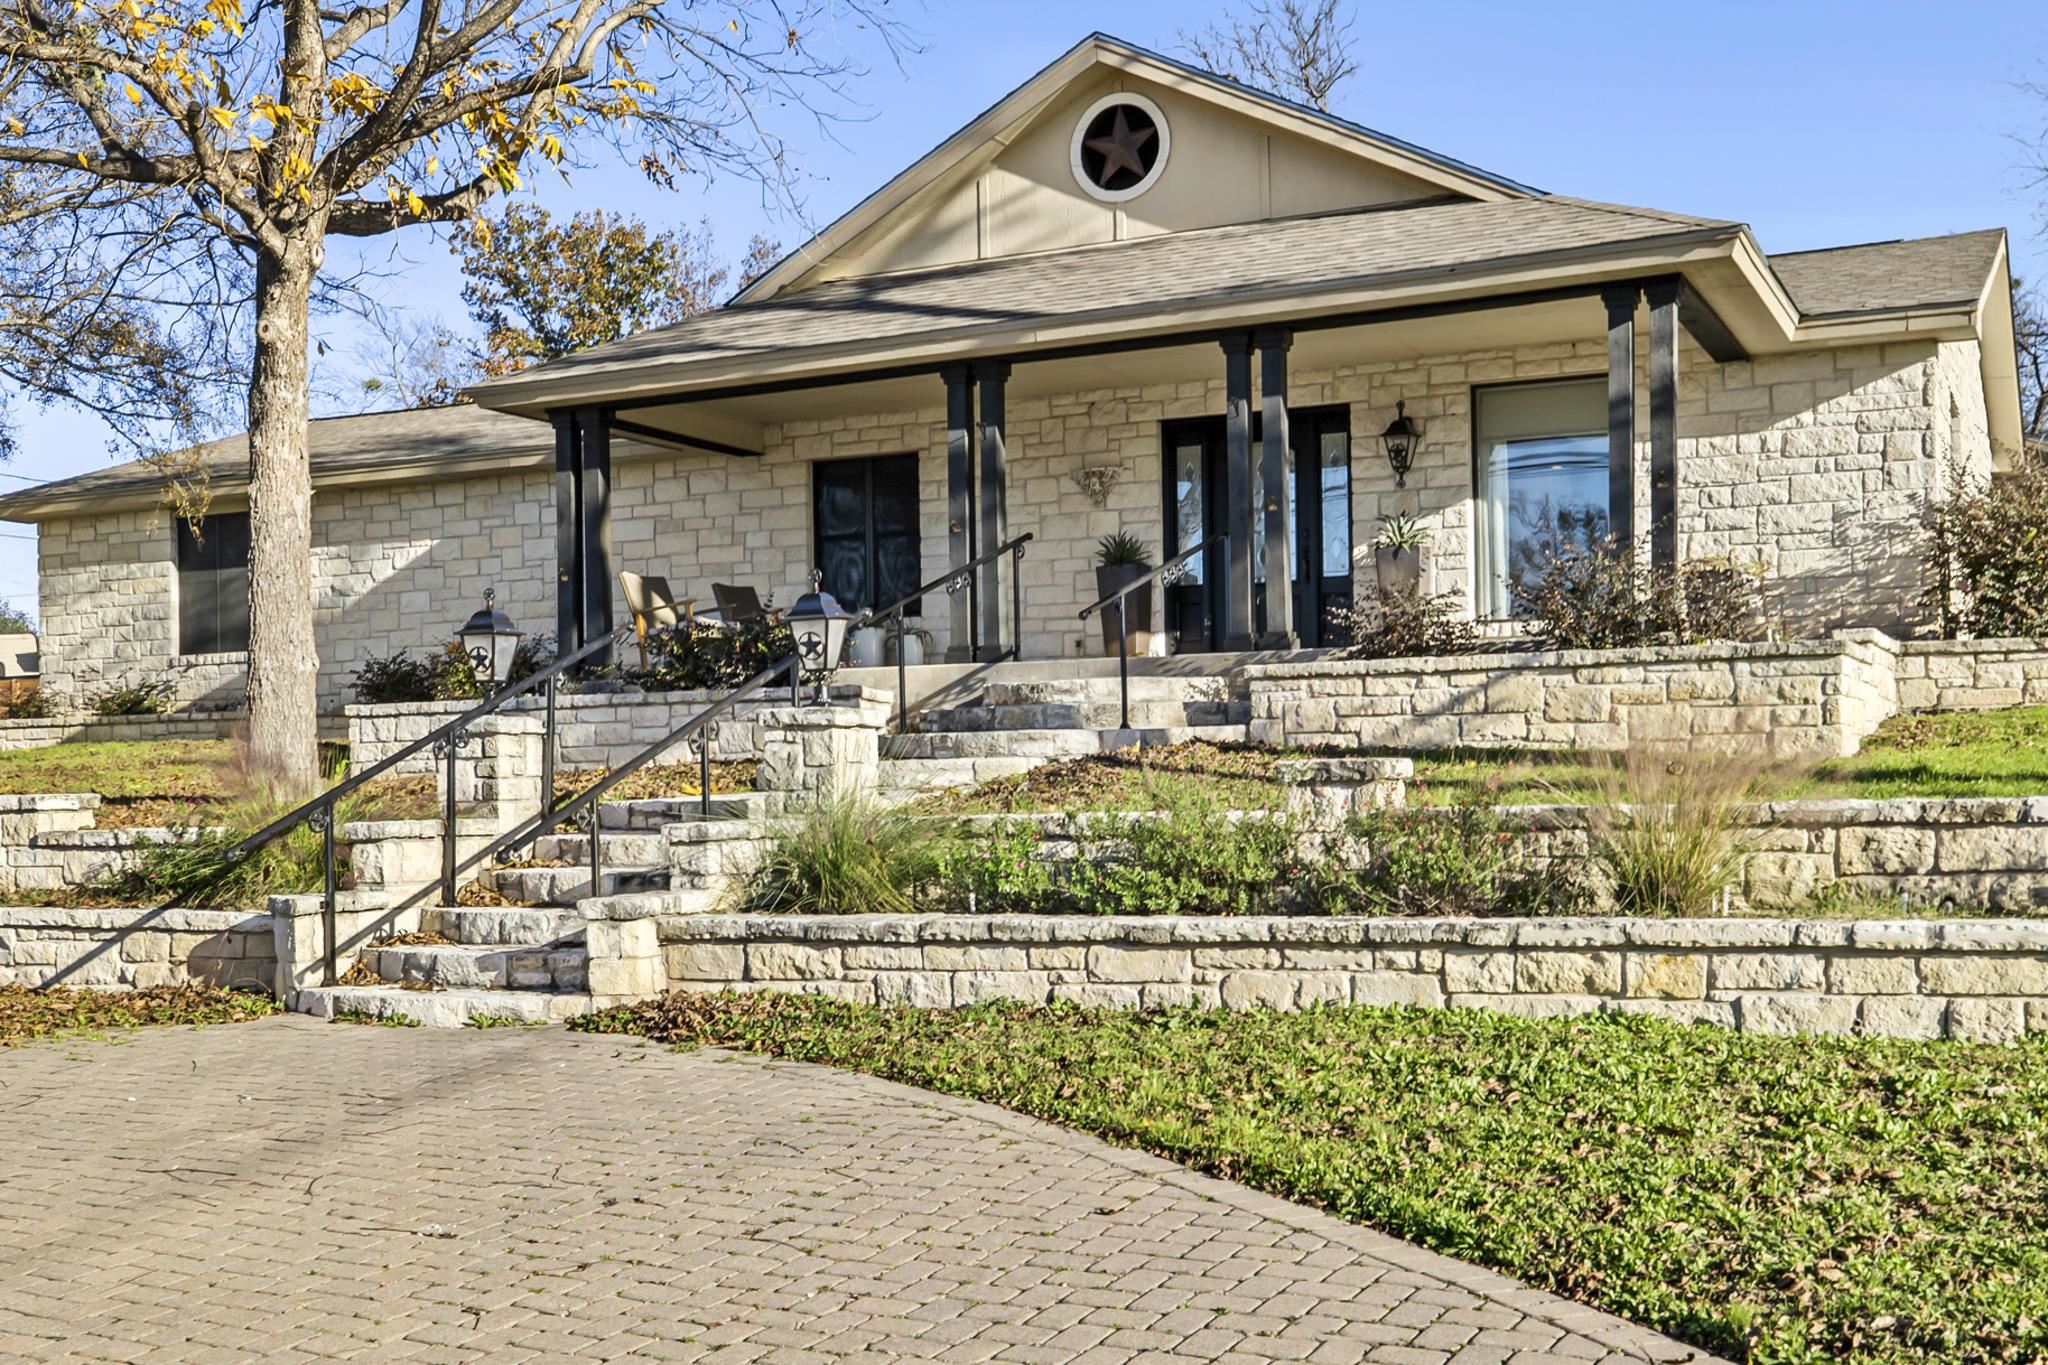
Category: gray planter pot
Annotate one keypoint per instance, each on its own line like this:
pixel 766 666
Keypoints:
pixel 1137 608
pixel 1400 569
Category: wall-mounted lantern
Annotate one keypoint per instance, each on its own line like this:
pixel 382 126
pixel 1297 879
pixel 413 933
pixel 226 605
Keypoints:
pixel 819 624
pixel 1401 437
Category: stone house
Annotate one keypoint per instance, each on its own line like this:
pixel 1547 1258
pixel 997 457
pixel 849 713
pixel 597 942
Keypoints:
pixel 1130 296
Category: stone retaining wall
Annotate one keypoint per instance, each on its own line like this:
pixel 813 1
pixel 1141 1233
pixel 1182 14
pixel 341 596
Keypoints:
pixel 1985 980
pixel 1806 698
pixel 18 733
pixel 594 729
pixel 1972 675
pixel 136 948
pixel 1966 853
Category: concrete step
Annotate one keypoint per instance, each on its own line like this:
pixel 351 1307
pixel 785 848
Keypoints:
pixel 511 927
pixel 646 904
pixel 627 847
pixel 900 777
pixel 1089 715
pixel 487 968
pixel 565 886
pixel 1075 691
pixel 1046 744
pixel 652 813
pixel 441 1009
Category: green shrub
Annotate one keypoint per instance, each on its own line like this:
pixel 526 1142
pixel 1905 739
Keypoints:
pixel 393 678
pixel 1671 832
pixel 848 856
pixel 1192 858
pixel 1986 550
pixel 1405 624
pixel 134 699
pixel 1461 860
pixel 998 872
pixel 1605 598
pixel 691 657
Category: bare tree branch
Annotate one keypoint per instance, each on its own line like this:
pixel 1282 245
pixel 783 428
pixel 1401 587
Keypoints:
pixel 1297 48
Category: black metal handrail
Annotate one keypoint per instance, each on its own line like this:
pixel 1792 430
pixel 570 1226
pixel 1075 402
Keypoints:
pixel 700 727
pixel 1169 571
pixel 951 582
pixel 443 739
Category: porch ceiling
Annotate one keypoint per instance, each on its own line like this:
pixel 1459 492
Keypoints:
pixel 741 420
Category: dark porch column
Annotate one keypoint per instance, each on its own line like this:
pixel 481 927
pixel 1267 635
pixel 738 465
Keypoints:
pixel 594 427
pixel 960 536
pixel 1279 535
pixel 1621 412
pixel 990 377
pixel 1235 599
pixel 1663 297
pixel 568 535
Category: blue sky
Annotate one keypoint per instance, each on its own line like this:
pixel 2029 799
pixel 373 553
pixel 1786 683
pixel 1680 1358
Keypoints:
pixel 1818 122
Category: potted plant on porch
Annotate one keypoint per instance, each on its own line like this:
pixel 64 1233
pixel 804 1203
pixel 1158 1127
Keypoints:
pixel 1121 560
pixel 1400 553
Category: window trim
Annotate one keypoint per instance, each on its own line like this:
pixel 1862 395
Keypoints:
pixel 1475 469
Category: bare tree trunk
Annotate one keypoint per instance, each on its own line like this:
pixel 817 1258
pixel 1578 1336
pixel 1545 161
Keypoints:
pixel 283 663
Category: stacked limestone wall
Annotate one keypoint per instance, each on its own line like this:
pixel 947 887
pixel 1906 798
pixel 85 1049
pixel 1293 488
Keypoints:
pixel 1982 980
pixel 1816 465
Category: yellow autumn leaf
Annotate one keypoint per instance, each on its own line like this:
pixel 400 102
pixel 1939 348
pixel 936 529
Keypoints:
pixel 224 117
pixel 16 127
pixel 134 95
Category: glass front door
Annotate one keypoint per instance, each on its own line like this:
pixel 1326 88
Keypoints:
pixel 1319 502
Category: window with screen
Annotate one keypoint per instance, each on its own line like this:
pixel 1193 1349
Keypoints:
pixel 213 584
pixel 864 518
pixel 1542 479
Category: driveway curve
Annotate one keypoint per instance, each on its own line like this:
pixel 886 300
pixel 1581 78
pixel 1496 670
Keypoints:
pixel 290 1191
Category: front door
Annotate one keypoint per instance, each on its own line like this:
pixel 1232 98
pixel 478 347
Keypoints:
pixel 1319 503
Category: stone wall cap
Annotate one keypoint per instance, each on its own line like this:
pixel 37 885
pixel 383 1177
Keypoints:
pixel 1308 772
pixel 48 801
pixel 134 919
pixel 1720 651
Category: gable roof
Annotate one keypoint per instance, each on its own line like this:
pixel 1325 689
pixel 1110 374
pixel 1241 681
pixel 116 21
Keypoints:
pixel 1147 276
pixel 1884 277
pixel 1097 50
pixel 443 441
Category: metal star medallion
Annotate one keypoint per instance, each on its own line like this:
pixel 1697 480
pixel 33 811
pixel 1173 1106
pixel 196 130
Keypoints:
pixel 1120 150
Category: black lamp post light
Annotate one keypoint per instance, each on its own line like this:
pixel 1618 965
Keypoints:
pixel 490 639
pixel 1401 437
pixel 819 624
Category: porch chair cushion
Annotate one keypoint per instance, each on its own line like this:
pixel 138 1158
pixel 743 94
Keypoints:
pixel 738 602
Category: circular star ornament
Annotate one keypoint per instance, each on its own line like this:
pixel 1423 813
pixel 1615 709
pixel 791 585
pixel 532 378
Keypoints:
pixel 1119 147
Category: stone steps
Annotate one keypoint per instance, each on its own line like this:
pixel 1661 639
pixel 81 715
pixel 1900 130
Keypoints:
pixel 630 848
pixel 1049 743
pixel 653 814
pixel 442 1009
pixel 564 886
pixel 492 926
pixel 1182 688
pixel 1091 715
pixel 483 967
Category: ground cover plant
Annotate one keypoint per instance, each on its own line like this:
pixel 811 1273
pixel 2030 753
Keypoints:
pixel 27 1014
pixel 1781 1201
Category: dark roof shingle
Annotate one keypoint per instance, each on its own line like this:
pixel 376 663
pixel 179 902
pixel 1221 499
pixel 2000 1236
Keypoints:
pixel 1878 277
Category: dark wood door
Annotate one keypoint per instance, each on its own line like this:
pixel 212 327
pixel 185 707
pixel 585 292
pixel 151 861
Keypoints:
pixel 1319 495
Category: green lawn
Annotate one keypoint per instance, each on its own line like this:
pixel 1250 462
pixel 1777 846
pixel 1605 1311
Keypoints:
pixel 27 1014
pixel 1967 753
pixel 1771 1199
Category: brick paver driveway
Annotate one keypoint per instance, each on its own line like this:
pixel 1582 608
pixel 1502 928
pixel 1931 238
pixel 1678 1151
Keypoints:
pixel 292 1191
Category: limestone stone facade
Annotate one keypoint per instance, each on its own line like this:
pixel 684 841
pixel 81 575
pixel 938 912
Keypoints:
pixel 1816 466
pixel 134 948
pixel 1979 980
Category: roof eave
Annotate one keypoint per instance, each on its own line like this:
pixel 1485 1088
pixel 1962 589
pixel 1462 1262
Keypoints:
pixel 536 394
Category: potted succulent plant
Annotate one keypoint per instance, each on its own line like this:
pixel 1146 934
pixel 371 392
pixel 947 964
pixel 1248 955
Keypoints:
pixel 1121 560
pixel 1400 553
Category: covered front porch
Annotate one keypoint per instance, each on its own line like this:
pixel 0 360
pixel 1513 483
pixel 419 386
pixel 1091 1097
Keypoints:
pixel 887 479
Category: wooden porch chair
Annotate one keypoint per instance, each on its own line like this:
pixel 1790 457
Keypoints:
pixel 737 603
pixel 653 605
